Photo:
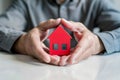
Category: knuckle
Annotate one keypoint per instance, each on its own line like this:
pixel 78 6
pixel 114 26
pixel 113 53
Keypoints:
pixel 41 23
pixel 91 40
pixel 80 27
pixel 79 23
pixel 51 21
pixel 31 35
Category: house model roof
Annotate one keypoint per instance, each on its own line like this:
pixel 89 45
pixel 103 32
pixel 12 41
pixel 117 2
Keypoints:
pixel 59 32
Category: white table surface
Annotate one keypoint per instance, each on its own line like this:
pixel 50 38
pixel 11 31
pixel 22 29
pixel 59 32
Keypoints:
pixel 21 67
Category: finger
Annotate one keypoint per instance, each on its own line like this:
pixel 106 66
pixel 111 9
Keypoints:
pixel 52 23
pixel 77 36
pixel 71 50
pixel 40 53
pixel 45 48
pixel 63 60
pixel 84 56
pixel 73 26
pixel 44 35
pixel 80 48
pixel 55 60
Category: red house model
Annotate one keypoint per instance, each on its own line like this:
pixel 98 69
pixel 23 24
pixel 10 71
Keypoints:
pixel 60 42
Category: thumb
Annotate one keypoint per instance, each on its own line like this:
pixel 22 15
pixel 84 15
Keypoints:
pixel 73 26
pixel 52 23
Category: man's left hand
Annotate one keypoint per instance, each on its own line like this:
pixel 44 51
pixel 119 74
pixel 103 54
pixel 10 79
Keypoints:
pixel 88 43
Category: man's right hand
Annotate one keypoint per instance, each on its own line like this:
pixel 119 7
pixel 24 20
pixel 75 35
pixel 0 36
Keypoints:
pixel 31 43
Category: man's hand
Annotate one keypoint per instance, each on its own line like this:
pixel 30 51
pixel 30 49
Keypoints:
pixel 88 43
pixel 31 43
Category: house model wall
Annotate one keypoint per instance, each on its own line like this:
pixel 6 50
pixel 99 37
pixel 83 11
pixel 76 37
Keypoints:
pixel 60 42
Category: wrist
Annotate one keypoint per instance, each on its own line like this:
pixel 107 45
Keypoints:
pixel 100 46
pixel 18 46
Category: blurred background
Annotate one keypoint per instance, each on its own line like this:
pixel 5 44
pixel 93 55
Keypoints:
pixel 6 3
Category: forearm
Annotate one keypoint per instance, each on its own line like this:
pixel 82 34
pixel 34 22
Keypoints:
pixel 13 23
pixel 8 37
pixel 111 40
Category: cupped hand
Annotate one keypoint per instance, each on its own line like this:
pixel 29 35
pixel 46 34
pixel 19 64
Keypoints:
pixel 31 43
pixel 88 43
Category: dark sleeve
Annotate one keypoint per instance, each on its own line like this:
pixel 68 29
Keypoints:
pixel 108 20
pixel 12 24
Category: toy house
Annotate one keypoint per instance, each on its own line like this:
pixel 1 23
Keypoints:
pixel 59 42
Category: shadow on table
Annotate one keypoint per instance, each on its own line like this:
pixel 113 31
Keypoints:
pixel 29 60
